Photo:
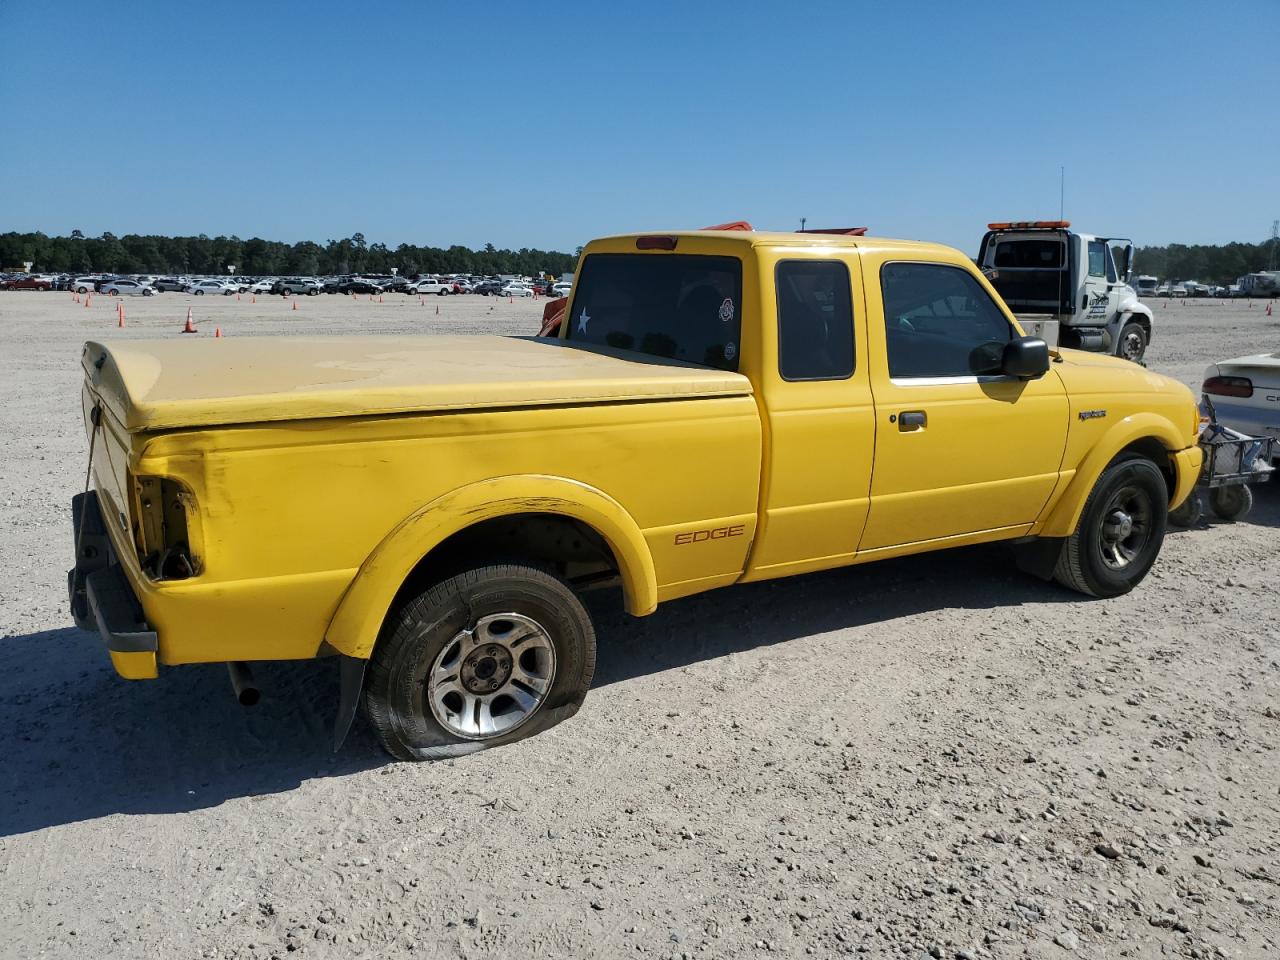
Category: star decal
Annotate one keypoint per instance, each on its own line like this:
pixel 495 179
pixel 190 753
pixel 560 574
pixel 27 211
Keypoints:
pixel 583 319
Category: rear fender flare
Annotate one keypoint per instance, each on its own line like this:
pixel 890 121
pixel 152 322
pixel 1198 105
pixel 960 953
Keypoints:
pixel 1065 513
pixel 360 614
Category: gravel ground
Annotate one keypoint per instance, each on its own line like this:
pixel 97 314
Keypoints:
pixel 933 756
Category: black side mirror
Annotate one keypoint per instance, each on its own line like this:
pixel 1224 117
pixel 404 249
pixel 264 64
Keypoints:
pixel 1025 357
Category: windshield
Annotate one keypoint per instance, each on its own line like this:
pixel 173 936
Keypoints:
pixel 679 306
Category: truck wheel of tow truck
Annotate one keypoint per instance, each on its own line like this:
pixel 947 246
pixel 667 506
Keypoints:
pixel 1231 503
pixel 1190 511
pixel 1132 344
pixel 490 656
pixel 1120 531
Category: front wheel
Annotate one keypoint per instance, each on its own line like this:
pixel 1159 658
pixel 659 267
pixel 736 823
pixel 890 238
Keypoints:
pixel 1132 344
pixel 199 293
pixel 488 657
pixel 1120 531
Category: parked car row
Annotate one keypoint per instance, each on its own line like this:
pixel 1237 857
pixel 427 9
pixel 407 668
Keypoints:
pixel 290 286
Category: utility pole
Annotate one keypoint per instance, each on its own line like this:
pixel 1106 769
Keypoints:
pixel 1275 242
pixel 802 221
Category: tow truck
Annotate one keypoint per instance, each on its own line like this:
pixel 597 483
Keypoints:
pixel 1070 289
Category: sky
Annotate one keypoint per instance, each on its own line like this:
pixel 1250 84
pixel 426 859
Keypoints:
pixel 544 125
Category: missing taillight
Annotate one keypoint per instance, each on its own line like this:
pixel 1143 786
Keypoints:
pixel 164 542
pixel 1228 386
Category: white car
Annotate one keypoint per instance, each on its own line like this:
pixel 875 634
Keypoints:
pixel 128 288
pixel 84 284
pixel 1245 393
pixel 431 285
pixel 201 287
pixel 561 289
pixel 262 286
pixel 517 288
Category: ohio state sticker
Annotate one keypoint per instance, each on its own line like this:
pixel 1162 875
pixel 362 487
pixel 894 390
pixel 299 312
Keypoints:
pixel 726 310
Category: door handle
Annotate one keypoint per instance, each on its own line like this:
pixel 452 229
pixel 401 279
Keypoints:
pixel 910 420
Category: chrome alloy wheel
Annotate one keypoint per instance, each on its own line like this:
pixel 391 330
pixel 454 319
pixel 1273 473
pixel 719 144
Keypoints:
pixel 1126 527
pixel 493 677
pixel 1131 346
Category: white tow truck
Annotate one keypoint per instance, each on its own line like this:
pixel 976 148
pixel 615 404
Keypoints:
pixel 1071 289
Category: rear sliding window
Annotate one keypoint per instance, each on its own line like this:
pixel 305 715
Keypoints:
pixel 1041 254
pixel 679 306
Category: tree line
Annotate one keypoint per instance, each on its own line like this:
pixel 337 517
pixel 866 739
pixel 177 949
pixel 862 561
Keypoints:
pixel 1207 264
pixel 134 253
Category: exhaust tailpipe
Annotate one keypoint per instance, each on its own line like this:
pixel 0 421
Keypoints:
pixel 242 683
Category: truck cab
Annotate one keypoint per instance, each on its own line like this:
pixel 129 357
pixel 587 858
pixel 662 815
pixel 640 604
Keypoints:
pixel 1070 288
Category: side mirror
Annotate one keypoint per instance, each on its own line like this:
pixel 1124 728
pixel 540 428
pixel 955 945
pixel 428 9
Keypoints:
pixel 1025 357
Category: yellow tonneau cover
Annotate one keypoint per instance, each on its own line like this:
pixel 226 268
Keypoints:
pixel 205 381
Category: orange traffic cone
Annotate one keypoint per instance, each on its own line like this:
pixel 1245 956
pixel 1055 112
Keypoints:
pixel 120 315
pixel 217 332
pixel 437 309
pixel 1268 309
pixel 237 298
pixel 295 304
pixel 379 298
pixel 253 298
pixel 190 327
pixel 509 300
pixel 75 298
pixel 88 298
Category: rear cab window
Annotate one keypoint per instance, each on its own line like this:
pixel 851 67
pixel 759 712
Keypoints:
pixel 678 306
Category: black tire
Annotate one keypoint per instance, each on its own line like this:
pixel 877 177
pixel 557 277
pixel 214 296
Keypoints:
pixel 82 289
pixel 1120 531
pixel 285 292
pixel 199 293
pixel 442 293
pixel 1231 503
pixel 1132 343
pixel 395 694
pixel 1190 512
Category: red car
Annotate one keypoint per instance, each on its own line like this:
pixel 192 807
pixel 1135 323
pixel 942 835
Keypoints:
pixel 27 283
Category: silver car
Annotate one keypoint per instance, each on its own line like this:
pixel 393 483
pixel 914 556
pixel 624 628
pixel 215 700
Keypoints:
pixel 128 288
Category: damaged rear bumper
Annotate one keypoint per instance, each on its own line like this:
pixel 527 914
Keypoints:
pixel 102 600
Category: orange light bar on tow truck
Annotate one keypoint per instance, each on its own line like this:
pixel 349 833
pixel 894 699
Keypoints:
pixel 1031 225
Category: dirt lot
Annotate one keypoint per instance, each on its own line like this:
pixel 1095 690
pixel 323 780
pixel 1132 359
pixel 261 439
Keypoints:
pixel 927 757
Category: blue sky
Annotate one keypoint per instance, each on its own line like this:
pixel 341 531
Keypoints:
pixel 545 124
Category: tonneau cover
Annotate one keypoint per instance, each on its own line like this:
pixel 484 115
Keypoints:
pixel 189 382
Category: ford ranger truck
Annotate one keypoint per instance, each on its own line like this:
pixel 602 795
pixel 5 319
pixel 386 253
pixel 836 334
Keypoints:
pixel 718 408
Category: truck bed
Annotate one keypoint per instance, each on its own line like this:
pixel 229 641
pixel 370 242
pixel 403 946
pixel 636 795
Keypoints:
pixel 171 384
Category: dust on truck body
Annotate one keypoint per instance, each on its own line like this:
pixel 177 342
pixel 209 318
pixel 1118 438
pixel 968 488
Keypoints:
pixel 718 407
pixel 1073 288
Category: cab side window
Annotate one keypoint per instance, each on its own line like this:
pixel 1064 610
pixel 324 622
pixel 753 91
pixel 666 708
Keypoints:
pixel 1097 258
pixel 815 320
pixel 940 322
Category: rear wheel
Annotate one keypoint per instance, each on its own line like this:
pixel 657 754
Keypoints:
pixel 199 293
pixel 1231 503
pixel 1120 531
pixel 1132 344
pixel 487 657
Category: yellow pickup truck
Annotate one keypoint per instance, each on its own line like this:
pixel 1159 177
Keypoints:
pixel 718 407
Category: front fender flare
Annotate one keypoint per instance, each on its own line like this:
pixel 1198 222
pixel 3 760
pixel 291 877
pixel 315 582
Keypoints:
pixel 358 619
pixel 1065 512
